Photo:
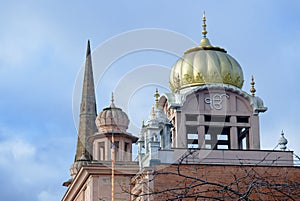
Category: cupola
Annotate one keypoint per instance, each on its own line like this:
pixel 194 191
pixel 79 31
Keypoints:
pixel 112 124
pixel 205 64
pixel 112 117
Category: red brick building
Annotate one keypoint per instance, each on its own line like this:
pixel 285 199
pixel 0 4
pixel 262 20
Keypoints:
pixel 217 182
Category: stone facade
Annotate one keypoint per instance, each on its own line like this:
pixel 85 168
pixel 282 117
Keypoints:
pixel 93 182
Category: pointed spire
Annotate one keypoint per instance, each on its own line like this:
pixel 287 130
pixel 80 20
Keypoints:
pixel 112 100
pixel 156 95
pixel 204 32
pixel 88 113
pixel 252 90
pixel 204 41
pixel 88 49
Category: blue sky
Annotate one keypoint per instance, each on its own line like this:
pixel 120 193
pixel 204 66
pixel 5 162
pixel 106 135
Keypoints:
pixel 42 51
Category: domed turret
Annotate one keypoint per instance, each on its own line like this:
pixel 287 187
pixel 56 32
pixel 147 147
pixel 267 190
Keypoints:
pixel 282 142
pixel 112 116
pixel 75 167
pixel 205 64
pixel 112 142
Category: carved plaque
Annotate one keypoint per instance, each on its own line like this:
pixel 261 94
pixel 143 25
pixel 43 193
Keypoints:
pixel 216 101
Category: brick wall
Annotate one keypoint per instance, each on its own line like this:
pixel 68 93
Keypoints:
pixel 225 182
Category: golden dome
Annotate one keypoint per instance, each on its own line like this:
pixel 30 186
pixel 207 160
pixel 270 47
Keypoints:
pixel 205 64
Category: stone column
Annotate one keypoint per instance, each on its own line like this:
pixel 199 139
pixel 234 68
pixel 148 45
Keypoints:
pixel 153 153
pixel 180 130
pixel 254 137
pixel 201 132
pixel 234 142
pixel 201 136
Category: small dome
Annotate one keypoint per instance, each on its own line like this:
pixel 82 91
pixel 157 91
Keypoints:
pixel 75 167
pixel 282 142
pixel 205 64
pixel 112 117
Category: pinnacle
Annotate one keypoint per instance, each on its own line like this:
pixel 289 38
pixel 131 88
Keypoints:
pixel 88 49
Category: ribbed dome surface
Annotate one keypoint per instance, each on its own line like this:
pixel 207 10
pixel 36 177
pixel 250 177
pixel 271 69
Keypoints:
pixel 205 65
pixel 112 117
pixel 75 167
pixel 282 140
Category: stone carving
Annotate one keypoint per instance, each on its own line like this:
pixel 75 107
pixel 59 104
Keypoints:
pixel 215 101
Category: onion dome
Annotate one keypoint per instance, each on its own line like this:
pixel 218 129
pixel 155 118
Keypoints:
pixel 282 142
pixel 205 64
pixel 112 117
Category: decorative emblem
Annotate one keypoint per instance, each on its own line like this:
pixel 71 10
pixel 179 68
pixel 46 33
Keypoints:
pixel 215 101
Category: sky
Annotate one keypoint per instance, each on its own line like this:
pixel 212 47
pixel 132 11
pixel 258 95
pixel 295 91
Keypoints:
pixel 134 44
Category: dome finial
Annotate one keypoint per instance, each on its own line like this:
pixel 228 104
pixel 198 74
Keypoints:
pixel 252 90
pixel 204 41
pixel 204 32
pixel 156 95
pixel 282 142
pixel 112 100
pixel 153 113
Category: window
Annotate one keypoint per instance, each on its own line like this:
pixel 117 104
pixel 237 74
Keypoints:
pixel 207 146
pixel 217 137
pixel 126 147
pixel 126 151
pixel 116 149
pixel 207 137
pixel 192 137
pixel 101 146
pixel 244 143
pixel 242 119
pixel 209 118
pixel 243 137
pixel 193 146
pixel 222 146
pixel 223 137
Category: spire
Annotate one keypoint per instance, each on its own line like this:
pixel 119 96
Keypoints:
pixel 156 95
pixel 88 49
pixel 252 90
pixel 204 32
pixel 88 113
pixel 204 41
pixel 112 100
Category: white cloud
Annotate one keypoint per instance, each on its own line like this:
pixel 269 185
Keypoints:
pixel 18 157
pixel 31 167
pixel 19 149
pixel 15 150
